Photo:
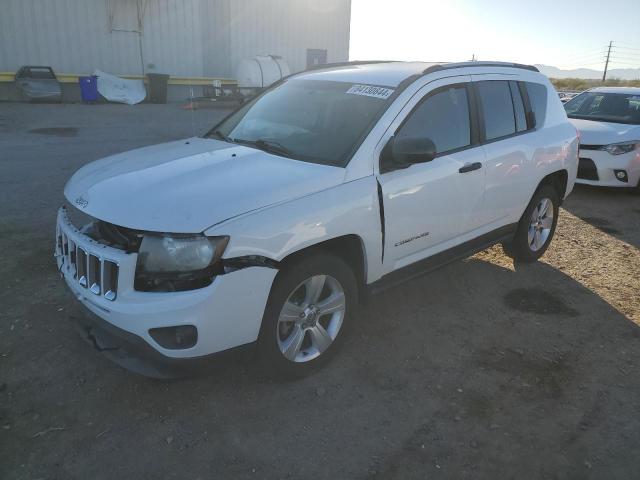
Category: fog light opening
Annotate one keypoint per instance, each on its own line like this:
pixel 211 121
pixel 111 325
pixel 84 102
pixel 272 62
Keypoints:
pixel 621 175
pixel 175 338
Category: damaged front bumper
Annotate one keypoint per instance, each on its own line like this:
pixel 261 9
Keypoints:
pixel 226 314
pixel 134 354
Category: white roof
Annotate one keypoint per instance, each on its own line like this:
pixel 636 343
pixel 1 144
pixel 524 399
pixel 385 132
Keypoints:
pixel 622 90
pixel 383 73
pixel 387 73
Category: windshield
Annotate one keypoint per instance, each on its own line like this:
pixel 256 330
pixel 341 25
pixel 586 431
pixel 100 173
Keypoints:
pixel 605 107
pixel 40 73
pixel 316 121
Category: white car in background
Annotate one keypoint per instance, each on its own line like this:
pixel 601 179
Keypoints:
pixel 608 119
pixel 566 96
pixel 332 184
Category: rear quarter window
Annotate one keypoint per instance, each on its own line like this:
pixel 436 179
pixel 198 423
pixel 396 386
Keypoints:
pixel 538 99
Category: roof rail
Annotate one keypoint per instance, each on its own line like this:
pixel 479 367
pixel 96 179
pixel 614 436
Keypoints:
pixel 448 66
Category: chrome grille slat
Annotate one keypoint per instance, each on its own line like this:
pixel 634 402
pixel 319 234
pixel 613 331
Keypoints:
pixel 110 271
pixel 65 245
pixel 81 267
pixel 64 250
pixel 85 264
pixel 94 274
pixel 71 264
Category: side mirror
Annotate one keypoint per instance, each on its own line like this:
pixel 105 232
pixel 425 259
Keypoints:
pixel 409 150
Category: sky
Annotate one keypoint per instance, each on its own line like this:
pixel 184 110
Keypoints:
pixel 563 33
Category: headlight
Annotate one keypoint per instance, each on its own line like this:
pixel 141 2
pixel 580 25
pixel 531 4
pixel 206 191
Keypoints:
pixel 177 263
pixel 620 148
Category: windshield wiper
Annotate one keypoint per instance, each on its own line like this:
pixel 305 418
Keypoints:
pixel 272 147
pixel 269 146
pixel 220 135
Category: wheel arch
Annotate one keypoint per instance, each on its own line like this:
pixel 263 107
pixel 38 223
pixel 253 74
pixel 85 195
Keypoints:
pixel 349 248
pixel 558 180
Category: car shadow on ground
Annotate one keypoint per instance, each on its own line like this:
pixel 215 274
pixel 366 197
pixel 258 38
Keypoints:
pixel 615 211
pixel 475 371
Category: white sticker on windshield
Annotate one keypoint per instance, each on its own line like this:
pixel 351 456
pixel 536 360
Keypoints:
pixel 371 91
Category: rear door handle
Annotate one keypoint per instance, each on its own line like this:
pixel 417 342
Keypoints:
pixel 470 167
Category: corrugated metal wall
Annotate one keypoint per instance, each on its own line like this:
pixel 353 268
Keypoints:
pixel 289 28
pixel 180 37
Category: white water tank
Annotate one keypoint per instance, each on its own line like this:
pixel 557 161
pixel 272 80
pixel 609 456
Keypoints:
pixel 261 71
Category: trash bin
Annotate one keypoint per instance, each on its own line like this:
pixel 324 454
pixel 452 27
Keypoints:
pixel 88 88
pixel 158 87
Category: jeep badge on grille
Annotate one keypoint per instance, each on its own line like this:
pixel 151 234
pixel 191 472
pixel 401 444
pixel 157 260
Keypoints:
pixel 82 202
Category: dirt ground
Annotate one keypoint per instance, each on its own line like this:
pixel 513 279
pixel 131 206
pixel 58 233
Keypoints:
pixel 482 369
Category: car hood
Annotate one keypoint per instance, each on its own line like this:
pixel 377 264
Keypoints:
pixel 189 185
pixel 604 133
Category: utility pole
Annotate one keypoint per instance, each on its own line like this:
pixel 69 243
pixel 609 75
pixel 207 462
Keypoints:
pixel 606 65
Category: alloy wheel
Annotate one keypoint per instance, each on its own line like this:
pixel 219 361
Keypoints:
pixel 311 318
pixel 540 224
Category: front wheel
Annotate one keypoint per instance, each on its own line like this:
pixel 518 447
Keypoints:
pixel 307 316
pixel 536 226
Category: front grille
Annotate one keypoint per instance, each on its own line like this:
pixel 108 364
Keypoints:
pixel 591 147
pixel 98 275
pixel 587 169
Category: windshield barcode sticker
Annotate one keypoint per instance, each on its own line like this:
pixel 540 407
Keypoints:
pixel 371 91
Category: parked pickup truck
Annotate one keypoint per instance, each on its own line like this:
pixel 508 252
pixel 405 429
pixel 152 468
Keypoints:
pixel 333 184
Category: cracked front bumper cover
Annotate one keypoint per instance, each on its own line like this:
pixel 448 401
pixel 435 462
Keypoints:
pixel 134 354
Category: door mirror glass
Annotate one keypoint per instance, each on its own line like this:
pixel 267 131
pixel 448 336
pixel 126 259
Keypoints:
pixel 406 151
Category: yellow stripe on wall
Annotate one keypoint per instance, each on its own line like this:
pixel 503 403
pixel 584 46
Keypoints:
pixel 73 78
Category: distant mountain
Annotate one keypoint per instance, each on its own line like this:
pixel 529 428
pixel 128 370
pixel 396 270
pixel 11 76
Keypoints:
pixel 587 73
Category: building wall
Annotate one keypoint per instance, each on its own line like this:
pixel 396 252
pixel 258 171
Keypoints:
pixel 180 37
pixel 288 28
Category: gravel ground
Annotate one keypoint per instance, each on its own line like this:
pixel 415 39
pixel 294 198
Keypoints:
pixel 480 370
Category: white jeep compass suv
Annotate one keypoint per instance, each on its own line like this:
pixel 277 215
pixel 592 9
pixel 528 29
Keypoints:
pixel 334 183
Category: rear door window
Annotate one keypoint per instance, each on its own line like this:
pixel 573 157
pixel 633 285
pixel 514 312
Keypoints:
pixel 497 108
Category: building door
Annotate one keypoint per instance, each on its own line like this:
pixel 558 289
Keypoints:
pixel 315 57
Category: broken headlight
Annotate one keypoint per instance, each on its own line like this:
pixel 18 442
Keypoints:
pixel 177 263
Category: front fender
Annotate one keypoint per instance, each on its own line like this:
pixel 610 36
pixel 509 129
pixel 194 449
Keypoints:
pixel 276 232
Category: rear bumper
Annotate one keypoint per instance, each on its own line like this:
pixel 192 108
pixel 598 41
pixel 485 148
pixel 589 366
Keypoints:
pixel 134 354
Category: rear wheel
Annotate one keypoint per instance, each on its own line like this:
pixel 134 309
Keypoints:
pixel 536 226
pixel 307 316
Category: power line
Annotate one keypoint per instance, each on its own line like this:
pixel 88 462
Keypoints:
pixel 627 48
pixel 626 57
pixel 586 56
pixel 631 66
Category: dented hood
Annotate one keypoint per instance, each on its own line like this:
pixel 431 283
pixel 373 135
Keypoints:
pixel 188 185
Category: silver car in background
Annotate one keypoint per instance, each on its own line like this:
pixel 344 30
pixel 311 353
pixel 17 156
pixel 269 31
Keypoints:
pixel 38 83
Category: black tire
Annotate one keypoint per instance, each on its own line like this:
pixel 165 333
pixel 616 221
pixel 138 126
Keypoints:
pixel 288 281
pixel 520 247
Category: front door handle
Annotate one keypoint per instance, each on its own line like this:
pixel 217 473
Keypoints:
pixel 470 167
